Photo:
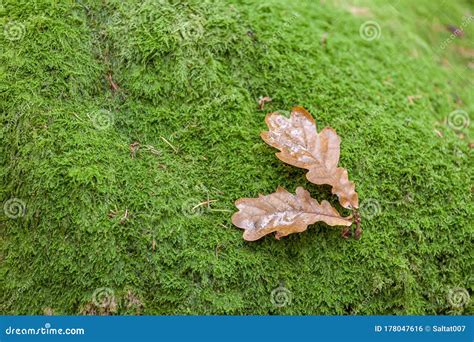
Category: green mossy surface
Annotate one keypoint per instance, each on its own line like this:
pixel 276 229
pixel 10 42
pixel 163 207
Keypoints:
pixel 189 76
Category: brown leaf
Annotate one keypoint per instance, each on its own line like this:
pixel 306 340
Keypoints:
pixel 301 145
pixel 283 213
pixel 339 180
pixel 262 100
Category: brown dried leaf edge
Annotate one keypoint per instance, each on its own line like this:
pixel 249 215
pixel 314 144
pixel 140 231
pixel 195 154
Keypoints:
pixel 283 213
pixel 302 146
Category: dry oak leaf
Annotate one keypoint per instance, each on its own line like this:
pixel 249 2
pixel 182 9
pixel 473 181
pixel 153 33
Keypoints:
pixel 283 213
pixel 301 145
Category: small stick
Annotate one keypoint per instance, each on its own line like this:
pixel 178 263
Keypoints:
pixel 134 148
pixel 358 230
pixel 166 141
pixel 112 84
pixel 124 218
pixel 203 203
pixel 262 100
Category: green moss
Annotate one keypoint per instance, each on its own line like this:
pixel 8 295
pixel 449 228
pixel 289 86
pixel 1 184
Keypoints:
pixel 189 76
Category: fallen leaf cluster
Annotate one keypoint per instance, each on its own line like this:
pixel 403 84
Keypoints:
pixel 302 146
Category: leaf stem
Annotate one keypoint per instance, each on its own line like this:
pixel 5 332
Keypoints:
pixel 357 222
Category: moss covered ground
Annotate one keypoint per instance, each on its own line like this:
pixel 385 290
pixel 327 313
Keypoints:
pixel 99 230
